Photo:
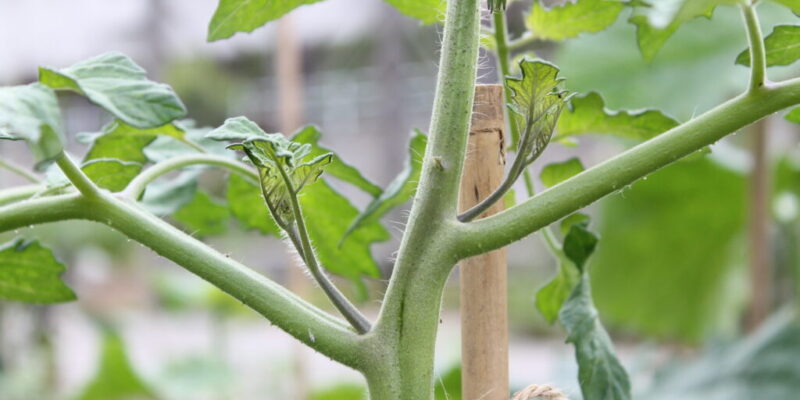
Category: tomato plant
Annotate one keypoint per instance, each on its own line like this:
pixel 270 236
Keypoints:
pixel 274 184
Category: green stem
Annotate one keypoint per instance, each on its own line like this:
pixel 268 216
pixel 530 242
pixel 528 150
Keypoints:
pixel 407 326
pixel 501 42
pixel 521 42
pixel 592 184
pixel 504 66
pixel 18 193
pixel 20 171
pixel 76 176
pixel 348 310
pixel 302 320
pixel 758 58
pixel 137 186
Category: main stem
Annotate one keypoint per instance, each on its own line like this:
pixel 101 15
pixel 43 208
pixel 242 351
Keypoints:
pixel 406 329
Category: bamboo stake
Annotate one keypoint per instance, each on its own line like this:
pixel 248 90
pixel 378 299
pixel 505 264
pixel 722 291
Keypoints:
pixel 484 303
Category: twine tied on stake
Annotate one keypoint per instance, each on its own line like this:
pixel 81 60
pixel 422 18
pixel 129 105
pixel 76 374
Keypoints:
pixel 544 392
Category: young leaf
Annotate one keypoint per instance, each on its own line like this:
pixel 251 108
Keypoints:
pixel 282 165
pixel 203 216
pixel 115 378
pixel 234 16
pixel 247 205
pixel 588 114
pixel 536 102
pixel 782 47
pixel 573 18
pixel 337 168
pixel 402 187
pixel 555 173
pixel 31 113
pixel 284 171
pixel 114 82
pixel 30 273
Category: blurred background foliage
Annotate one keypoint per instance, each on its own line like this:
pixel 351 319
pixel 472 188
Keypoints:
pixel 670 275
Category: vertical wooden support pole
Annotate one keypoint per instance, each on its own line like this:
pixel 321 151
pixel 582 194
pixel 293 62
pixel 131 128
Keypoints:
pixel 289 76
pixel 484 296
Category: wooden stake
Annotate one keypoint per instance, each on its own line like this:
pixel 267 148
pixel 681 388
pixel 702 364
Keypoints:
pixel 484 303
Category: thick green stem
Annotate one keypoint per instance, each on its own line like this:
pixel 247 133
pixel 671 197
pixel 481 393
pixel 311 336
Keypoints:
pixel 302 320
pixel 138 184
pixel 76 176
pixel 592 184
pixel 409 318
pixel 758 58
pixel 20 171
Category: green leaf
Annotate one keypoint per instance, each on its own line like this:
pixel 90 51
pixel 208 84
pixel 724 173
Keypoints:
pixel 573 18
pixel 579 244
pixel 115 378
pixel 536 103
pixel 31 113
pixel 675 238
pixel 337 168
pixel 203 216
pixel 555 173
pixel 577 218
pixel 600 374
pixel 234 16
pixel 551 297
pixel 402 187
pixel 649 38
pixel 794 116
pixel 114 82
pixel 30 273
pixel 110 173
pixel 588 114
pixel 328 215
pixel 782 47
pixel 656 21
pixel 247 205
pixel 793 5
pixel 426 11
pixel 126 144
